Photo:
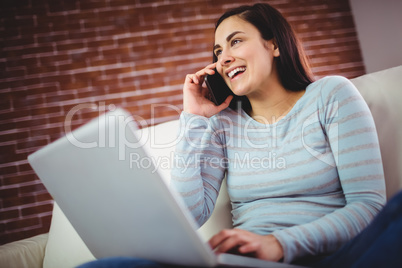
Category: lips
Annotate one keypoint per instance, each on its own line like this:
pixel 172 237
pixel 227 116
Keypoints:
pixel 231 74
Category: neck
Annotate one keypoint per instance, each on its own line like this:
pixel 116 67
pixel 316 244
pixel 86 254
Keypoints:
pixel 272 105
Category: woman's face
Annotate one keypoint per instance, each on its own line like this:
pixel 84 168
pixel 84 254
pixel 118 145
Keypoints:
pixel 245 59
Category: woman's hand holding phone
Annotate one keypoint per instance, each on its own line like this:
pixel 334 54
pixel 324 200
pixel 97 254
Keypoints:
pixel 196 97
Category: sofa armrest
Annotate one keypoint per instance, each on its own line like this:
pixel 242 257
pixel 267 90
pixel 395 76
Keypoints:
pixel 27 253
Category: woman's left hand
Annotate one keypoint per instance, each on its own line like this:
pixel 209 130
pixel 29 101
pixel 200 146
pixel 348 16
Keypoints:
pixel 247 243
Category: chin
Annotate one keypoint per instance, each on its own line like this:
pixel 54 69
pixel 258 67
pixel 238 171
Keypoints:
pixel 239 91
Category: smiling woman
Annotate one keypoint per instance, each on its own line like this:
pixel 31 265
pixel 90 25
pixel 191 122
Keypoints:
pixel 325 194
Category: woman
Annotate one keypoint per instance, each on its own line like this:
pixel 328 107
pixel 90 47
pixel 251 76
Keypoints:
pixel 301 157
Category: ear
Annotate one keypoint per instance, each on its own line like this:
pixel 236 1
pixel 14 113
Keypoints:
pixel 275 48
pixel 272 46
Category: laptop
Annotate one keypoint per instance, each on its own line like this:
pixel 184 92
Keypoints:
pixel 118 206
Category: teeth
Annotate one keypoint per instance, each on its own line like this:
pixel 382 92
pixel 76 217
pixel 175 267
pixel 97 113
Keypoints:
pixel 235 71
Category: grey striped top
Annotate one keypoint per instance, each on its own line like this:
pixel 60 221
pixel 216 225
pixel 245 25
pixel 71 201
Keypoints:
pixel 314 179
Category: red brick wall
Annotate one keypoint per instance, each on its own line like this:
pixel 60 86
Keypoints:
pixel 55 54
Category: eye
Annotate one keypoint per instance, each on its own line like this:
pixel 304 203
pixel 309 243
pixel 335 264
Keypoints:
pixel 235 41
pixel 218 52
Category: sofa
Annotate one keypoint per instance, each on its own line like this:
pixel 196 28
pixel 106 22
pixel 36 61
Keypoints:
pixel 62 246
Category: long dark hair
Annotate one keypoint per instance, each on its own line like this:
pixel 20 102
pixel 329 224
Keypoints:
pixel 292 64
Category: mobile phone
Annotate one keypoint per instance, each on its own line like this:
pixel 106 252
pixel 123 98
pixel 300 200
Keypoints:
pixel 217 87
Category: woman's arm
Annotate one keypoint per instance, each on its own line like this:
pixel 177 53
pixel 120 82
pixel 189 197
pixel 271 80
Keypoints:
pixel 199 164
pixel 351 134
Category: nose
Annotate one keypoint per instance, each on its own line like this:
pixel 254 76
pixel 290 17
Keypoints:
pixel 225 59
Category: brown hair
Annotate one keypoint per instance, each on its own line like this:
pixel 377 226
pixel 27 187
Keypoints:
pixel 292 64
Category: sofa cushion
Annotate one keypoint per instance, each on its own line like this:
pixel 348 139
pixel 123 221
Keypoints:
pixel 65 247
pixel 383 93
pixel 25 253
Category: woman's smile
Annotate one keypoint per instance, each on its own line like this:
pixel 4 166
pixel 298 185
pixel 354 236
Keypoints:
pixel 236 72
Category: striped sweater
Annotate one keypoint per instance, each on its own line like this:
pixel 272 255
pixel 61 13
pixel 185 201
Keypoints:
pixel 314 179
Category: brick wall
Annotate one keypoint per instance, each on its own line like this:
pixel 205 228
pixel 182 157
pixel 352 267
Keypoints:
pixel 56 54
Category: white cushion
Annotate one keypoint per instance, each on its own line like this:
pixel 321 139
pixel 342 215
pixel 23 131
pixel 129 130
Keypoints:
pixel 65 248
pixel 383 93
pixel 25 253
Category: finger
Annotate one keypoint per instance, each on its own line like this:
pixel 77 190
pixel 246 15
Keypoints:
pixel 250 247
pixel 191 78
pixel 210 69
pixel 205 91
pixel 196 79
pixel 226 103
pixel 217 239
pixel 212 65
pixel 201 80
pixel 231 243
pixel 202 74
pixel 226 240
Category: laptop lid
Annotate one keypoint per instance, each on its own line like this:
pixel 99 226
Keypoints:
pixel 111 202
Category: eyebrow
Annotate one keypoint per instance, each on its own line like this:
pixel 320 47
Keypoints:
pixel 230 36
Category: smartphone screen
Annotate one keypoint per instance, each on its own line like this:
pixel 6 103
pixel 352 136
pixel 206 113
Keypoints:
pixel 217 87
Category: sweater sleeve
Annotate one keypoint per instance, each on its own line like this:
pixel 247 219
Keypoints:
pixel 349 127
pixel 199 165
